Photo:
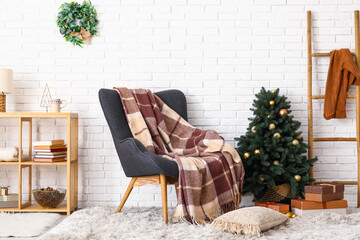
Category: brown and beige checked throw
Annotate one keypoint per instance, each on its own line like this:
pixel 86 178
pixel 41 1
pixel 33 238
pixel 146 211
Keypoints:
pixel 210 170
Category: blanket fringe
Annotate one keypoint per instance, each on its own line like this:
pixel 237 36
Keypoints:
pixel 247 229
pixel 208 218
pixel 193 219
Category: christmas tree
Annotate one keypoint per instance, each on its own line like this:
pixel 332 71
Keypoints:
pixel 272 149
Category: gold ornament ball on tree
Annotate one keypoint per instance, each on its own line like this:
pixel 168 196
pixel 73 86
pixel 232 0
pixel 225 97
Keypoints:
pixel 246 155
pixel 269 116
pixel 257 151
pixel 273 91
pixel 262 179
pixel 282 112
pixel 277 135
pixel 295 142
pixel 276 162
pixel 253 129
pixel 297 178
pixel 271 102
pixel 271 126
pixel 299 136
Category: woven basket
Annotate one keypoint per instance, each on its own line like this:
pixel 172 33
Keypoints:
pixel 2 103
pixel 277 193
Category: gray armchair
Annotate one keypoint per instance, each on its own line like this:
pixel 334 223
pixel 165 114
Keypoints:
pixel 143 166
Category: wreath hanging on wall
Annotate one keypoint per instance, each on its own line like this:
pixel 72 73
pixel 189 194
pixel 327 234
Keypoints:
pixel 77 22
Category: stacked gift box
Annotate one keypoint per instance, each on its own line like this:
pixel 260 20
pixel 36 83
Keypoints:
pixel 50 151
pixel 7 200
pixel 320 198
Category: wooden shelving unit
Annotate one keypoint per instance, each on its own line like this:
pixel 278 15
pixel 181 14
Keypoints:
pixel 25 162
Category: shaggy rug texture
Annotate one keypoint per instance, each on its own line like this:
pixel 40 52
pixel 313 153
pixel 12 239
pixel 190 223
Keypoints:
pixel 27 224
pixel 100 223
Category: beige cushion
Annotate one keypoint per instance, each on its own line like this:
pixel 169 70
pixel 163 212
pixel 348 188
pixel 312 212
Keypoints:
pixel 249 221
pixel 9 154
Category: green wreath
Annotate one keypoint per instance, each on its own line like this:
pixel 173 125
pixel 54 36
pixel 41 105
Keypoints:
pixel 77 22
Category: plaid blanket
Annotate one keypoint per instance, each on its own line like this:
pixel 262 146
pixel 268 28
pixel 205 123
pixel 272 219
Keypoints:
pixel 210 170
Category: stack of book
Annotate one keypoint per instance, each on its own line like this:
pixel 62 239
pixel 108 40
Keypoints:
pixel 7 200
pixel 320 198
pixel 50 151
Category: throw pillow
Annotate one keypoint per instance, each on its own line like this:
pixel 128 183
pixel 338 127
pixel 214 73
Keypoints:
pixel 9 154
pixel 249 221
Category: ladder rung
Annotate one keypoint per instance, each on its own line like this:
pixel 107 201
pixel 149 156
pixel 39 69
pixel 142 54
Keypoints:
pixel 334 139
pixel 323 96
pixel 324 54
pixel 339 182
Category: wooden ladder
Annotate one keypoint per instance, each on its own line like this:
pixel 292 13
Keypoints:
pixel 310 98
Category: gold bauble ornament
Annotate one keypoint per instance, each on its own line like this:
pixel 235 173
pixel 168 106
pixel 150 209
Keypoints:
pixel 246 155
pixel 262 179
pixel 269 116
pixel 297 178
pixel 272 126
pixel 294 216
pixel 257 151
pixel 298 137
pixel 282 112
pixel 271 102
pixel 295 142
pixel 273 91
pixel 289 214
pixel 276 162
pixel 277 135
pixel 253 129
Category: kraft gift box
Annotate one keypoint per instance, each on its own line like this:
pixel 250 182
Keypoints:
pixel 324 192
pixel 280 207
pixel 310 205
pixel 324 197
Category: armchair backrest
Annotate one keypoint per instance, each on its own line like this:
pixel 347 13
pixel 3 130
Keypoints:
pixel 115 115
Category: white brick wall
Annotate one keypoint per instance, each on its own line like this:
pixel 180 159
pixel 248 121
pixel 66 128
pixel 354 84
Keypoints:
pixel 219 52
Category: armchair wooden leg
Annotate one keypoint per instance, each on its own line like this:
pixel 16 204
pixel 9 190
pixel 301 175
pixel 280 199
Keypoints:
pixel 127 193
pixel 164 197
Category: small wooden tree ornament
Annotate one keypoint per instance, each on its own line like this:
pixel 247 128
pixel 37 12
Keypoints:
pixel 46 98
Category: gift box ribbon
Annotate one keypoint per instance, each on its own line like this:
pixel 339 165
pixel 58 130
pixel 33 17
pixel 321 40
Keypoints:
pixel 327 184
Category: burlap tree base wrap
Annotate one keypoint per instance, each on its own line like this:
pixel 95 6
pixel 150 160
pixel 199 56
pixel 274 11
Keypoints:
pixel 276 194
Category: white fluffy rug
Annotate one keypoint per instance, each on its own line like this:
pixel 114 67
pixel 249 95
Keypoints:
pixel 100 223
pixel 27 224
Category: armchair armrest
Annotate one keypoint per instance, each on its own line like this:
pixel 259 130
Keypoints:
pixel 137 161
